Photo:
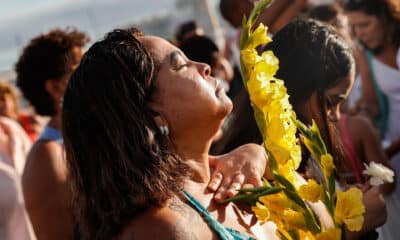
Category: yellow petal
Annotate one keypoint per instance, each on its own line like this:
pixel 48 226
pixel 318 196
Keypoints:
pixel 249 57
pixel 311 191
pixel 258 37
pixel 327 164
pixel 261 212
pixel 350 209
pixel 355 223
pixel 294 219
pixel 330 234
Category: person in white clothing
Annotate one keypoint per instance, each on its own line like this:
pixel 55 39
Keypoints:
pixel 376 25
pixel 14 146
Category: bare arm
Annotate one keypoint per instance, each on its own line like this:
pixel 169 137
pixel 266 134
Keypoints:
pixel 272 13
pixel 292 10
pixel 46 193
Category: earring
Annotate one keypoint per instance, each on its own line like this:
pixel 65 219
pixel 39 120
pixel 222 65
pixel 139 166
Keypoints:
pixel 163 125
pixel 164 130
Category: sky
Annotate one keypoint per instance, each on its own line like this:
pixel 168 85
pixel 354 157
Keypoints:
pixel 13 9
pixel 20 20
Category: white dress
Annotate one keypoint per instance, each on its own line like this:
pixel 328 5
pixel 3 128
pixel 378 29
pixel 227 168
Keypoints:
pixel 388 79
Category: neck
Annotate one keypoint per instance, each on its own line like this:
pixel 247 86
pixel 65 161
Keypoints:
pixel 55 121
pixel 195 154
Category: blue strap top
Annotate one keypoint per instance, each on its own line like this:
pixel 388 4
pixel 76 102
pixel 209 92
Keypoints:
pixel 224 233
pixel 51 134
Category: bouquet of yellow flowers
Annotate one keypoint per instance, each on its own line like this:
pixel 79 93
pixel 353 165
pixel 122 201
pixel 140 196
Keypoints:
pixel 286 200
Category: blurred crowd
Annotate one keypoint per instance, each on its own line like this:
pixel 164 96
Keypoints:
pixel 36 199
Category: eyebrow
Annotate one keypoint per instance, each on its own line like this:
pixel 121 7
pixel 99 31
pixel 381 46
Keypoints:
pixel 173 56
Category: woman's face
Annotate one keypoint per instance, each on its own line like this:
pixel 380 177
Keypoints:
pixel 367 28
pixel 336 95
pixel 8 106
pixel 186 96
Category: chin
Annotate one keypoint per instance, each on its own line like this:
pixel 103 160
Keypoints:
pixel 226 107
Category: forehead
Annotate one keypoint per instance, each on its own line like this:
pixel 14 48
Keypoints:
pixel 343 86
pixel 356 16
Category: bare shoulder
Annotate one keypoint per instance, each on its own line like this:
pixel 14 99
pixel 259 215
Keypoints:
pixel 46 159
pixel 175 221
pixel 45 172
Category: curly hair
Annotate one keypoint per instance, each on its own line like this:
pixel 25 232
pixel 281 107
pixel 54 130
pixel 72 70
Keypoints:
pixel 118 159
pixel 388 11
pixel 47 56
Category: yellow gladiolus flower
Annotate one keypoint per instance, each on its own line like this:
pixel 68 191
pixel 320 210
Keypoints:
pixel 294 219
pixel 249 57
pixel 262 213
pixel 327 164
pixel 330 234
pixel 311 191
pixel 289 172
pixel 269 58
pixel 258 37
pixel 350 209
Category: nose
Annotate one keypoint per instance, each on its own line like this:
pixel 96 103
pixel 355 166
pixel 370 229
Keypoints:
pixel 204 70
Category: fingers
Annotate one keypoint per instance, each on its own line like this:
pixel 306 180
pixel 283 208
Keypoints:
pixel 236 184
pixel 221 192
pixel 255 181
pixel 215 181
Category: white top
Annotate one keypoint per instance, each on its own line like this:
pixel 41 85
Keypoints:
pixel 14 221
pixel 14 146
pixel 388 79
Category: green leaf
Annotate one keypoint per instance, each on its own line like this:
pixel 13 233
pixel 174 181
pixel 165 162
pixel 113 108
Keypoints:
pixel 257 189
pixel 240 197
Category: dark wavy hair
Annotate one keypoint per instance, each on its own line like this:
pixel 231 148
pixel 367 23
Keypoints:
pixel 47 56
pixel 388 11
pixel 312 58
pixel 118 159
